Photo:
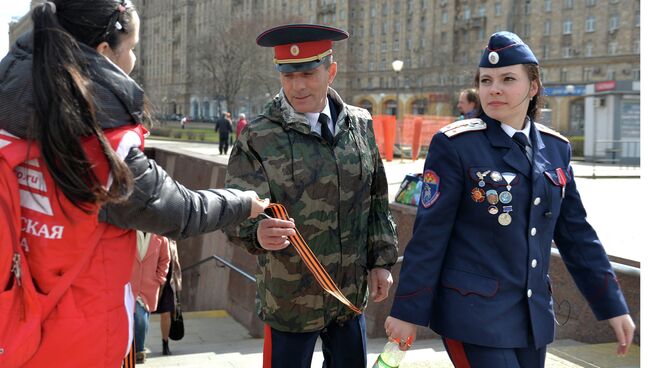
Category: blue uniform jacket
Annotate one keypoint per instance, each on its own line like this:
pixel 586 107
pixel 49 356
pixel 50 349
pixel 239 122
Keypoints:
pixel 473 279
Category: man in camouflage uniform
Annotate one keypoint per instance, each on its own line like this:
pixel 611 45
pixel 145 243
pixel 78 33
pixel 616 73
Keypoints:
pixel 333 185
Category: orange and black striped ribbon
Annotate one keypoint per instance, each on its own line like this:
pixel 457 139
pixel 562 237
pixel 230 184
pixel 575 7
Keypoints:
pixel 129 359
pixel 316 268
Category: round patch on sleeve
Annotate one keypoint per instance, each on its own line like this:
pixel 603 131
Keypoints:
pixel 430 188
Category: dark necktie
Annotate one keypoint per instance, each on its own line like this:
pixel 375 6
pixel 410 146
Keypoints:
pixel 324 129
pixel 522 142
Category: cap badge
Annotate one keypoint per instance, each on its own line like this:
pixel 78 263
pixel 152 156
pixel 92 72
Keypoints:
pixel 493 57
pixel 295 50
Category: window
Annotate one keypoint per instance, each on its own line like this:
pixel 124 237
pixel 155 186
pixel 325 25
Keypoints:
pixel 611 74
pixel 373 11
pixel 636 74
pixel 590 24
pixel 467 12
pixel 614 22
pixel 396 45
pixel 445 17
pixel 548 5
pixel 591 2
pixel 527 30
pixel 481 10
pixel 383 46
pixel 637 47
pixel 384 28
pixel 568 4
pixel 497 9
pixel 612 48
pixel 637 18
pixel 589 49
pixel 566 52
pixel 567 26
pixel 563 74
pixel 397 26
pixel 527 7
pixel 545 52
pixel 587 74
pixel 480 34
pixel 547 27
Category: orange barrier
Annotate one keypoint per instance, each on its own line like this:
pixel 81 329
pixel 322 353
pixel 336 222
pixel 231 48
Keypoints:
pixel 417 134
pixel 412 133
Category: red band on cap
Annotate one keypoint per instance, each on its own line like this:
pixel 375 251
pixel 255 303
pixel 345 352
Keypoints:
pixel 302 52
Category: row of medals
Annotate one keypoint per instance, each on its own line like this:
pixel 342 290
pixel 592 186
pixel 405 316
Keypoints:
pixel 493 197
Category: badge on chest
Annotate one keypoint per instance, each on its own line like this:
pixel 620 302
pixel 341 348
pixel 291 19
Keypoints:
pixel 494 188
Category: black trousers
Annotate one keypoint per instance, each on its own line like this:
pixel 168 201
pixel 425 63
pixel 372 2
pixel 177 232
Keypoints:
pixel 223 144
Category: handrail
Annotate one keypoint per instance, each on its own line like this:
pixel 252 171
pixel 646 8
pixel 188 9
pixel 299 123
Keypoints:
pixel 218 259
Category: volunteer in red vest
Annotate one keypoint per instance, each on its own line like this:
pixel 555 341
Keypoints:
pixel 65 86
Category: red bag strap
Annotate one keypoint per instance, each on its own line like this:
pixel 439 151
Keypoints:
pixel 314 266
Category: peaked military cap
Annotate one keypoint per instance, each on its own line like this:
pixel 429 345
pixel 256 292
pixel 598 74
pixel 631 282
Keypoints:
pixel 300 47
pixel 504 49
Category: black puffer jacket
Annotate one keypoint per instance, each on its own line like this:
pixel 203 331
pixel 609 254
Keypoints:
pixel 159 204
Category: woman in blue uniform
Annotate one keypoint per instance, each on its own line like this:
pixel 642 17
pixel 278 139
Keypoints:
pixel 497 190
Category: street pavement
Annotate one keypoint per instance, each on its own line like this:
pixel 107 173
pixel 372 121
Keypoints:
pixel 214 339
pixel 611 194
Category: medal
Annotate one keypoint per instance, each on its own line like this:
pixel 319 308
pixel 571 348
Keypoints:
pixel 493 210
pixel 505 197
pixel 496 176
pixel 509 177
pixel 505 219
pixel 481 176
pixel 492 196
pixel 478 195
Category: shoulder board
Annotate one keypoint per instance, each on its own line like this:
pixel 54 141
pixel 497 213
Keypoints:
pixel 546 130
pixel 463 126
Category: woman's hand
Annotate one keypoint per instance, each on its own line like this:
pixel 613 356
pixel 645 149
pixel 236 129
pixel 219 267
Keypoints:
pixel 400 331
pixel 257 205
pixel 623 327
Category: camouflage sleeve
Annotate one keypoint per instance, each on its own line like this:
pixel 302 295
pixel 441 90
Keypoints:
pixel 382 234
pixel 245 172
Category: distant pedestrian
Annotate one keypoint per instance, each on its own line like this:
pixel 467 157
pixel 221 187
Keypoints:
pixel 468 103
pixel 169 296
pixel 183 122
pixel 224 128
pixel 148 275
pixel 241 123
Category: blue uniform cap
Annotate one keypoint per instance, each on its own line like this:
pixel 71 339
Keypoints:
pixel 505 49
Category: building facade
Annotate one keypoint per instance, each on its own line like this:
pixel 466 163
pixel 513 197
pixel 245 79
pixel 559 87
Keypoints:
pixel 578 42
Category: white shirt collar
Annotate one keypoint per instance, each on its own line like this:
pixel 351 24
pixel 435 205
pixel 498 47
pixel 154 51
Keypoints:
pixel 312 118
pixel 510 131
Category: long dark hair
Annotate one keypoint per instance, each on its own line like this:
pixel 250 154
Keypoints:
pixel 64 111
pixel 535 106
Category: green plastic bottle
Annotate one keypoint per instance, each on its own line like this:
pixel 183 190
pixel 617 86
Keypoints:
pixel 390 357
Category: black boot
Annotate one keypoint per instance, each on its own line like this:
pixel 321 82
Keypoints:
pixel 166 350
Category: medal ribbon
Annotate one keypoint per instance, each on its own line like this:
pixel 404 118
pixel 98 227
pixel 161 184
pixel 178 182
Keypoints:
pixel 561 178
pixel 314 266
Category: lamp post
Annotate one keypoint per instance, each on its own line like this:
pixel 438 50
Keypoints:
pixel 397 67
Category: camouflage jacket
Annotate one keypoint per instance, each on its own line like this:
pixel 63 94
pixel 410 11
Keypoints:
pixel 338 198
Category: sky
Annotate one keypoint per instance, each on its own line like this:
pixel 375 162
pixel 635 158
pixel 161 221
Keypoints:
pixel 9 9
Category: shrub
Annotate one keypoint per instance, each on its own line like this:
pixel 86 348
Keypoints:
pixel 577 145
